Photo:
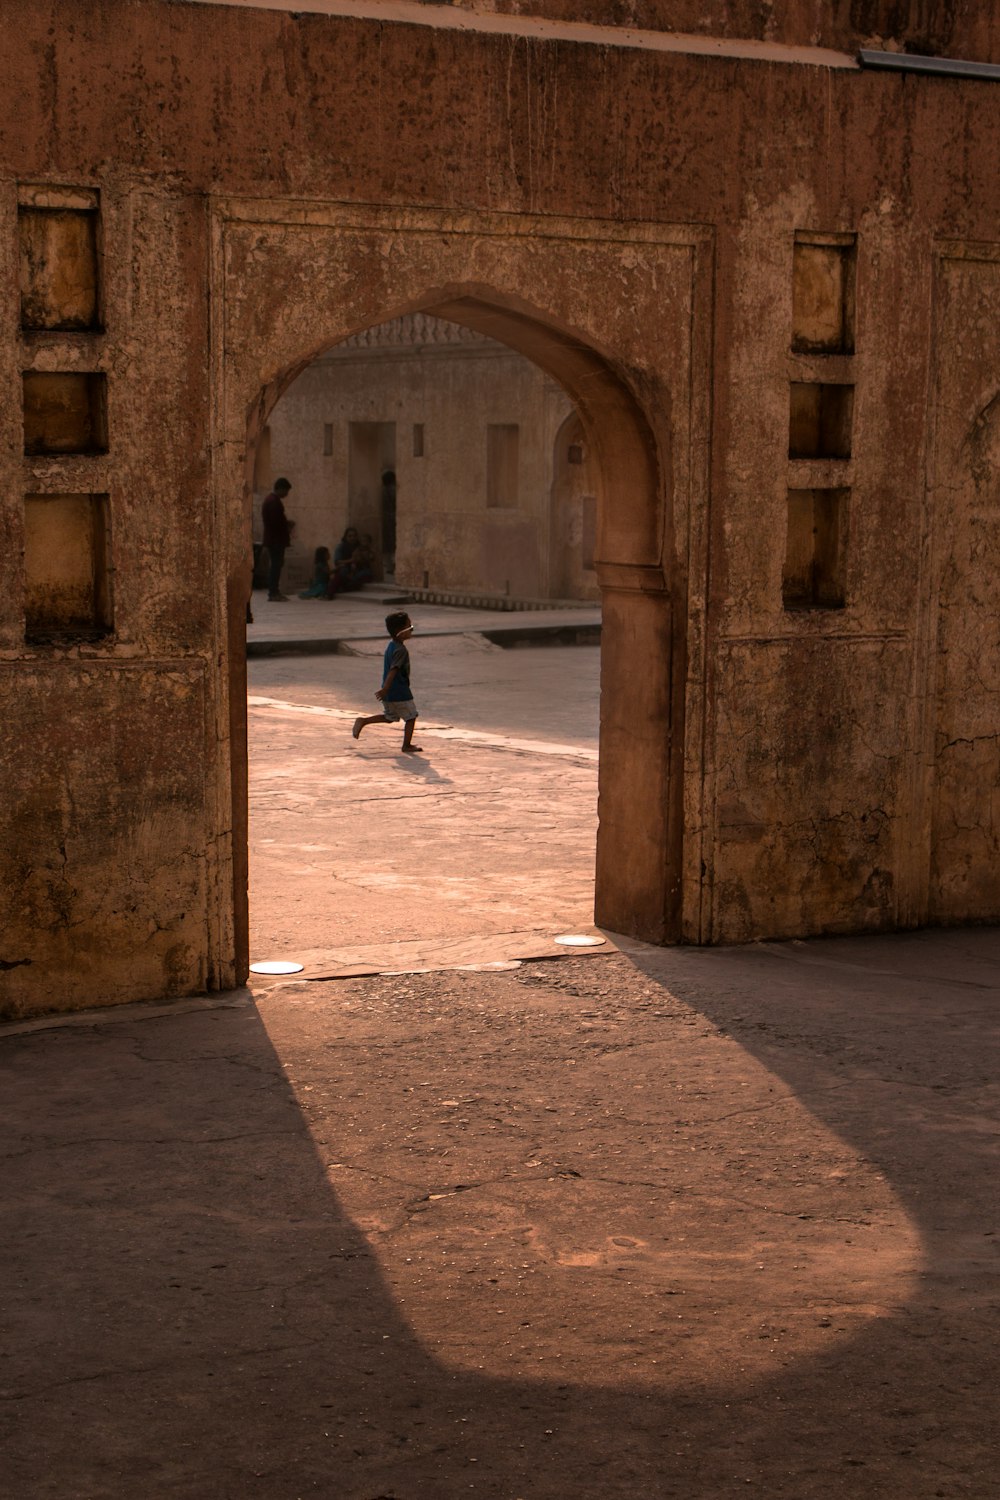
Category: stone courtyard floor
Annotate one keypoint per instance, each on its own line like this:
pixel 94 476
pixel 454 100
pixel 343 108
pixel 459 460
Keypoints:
pixel 657 1223
pixel 355 847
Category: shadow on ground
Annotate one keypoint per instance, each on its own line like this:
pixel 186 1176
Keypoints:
pixel 191 1312
pixel 894 1042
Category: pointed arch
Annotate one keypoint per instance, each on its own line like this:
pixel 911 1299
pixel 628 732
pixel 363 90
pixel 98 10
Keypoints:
pixel 630 466
pixel 291 284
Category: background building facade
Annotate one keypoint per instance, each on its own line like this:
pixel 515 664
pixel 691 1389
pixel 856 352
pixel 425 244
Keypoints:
pixel 489 488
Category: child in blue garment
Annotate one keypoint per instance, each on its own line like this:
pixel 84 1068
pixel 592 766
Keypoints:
pixel 395 694
pixel 321 575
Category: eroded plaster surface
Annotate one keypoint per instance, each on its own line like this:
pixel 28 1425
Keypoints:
pixel 966 559
pixel 816 747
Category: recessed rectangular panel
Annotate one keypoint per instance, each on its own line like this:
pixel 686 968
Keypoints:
pixel 820 419
pixel 502 451
pixel 823 299
pixel 66 587
pixel 59 269
pixel 65 412
pixel 813 574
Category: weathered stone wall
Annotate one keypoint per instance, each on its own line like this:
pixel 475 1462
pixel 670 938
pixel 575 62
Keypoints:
pixel 964 563
pixel 820 752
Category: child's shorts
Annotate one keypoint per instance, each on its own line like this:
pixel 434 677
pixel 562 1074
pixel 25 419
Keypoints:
pixel 399 708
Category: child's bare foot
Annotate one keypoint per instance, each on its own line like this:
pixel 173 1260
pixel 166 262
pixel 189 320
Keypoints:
pixel 413 749
pixel 359 724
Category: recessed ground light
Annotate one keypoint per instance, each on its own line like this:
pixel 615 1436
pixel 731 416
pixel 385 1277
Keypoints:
pixel 277 966
pixel 579 940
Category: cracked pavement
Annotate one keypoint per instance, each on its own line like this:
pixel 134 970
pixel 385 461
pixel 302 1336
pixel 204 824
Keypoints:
pixel 658 1222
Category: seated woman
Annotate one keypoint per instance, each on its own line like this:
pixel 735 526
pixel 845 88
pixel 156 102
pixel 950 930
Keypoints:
pixel 343 555
pixel 362 565
pixel 321 575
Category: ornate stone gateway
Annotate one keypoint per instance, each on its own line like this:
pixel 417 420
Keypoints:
pixel 512 279
pixel 763 270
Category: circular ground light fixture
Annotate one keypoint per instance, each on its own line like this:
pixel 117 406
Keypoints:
pixel 277 966
pixel 579 940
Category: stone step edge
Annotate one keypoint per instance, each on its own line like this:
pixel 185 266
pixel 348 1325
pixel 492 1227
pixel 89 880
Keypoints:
pixel 500 602
pixel 587 633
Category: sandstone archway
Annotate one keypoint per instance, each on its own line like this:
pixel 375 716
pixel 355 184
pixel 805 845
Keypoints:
pixel 286 293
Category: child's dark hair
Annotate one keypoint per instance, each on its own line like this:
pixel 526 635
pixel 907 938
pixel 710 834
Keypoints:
pixel 397 622
pixel 321 555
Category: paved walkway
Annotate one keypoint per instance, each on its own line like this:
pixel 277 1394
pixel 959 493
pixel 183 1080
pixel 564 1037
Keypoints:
pixel 662 1223
pixel 303 625
pixel 356 848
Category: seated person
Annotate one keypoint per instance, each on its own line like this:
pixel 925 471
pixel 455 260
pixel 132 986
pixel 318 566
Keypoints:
pixel 343 555
pixel 362 563
pixel 321 575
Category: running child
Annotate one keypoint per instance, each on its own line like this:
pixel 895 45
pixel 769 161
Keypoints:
pixel 395 694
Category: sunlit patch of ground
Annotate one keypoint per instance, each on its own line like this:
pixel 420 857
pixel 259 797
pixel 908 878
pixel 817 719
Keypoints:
pixel 567 1172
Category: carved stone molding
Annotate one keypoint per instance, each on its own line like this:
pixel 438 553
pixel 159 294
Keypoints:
pixel 417 332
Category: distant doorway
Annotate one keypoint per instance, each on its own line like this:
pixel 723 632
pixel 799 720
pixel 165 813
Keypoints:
pixel 371 454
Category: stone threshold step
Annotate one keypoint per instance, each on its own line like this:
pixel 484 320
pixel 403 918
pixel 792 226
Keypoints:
pixel 507 636
pixel 502 602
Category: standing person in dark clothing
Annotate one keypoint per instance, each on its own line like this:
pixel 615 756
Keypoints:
pixel 277 536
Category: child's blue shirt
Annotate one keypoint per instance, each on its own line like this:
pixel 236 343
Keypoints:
pixel 396 655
